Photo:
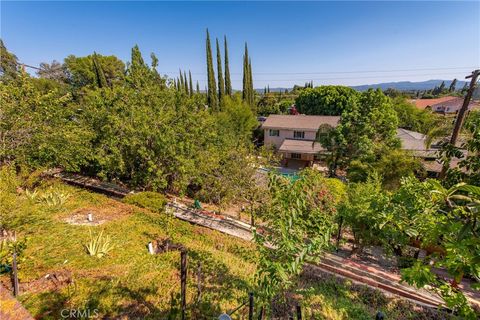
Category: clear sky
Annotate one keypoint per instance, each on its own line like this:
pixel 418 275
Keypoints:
pixel 289 42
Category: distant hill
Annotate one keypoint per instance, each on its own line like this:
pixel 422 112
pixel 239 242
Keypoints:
pixel 408 85
pixel 402 86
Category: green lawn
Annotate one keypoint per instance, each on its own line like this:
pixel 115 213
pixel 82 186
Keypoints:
pixel 130 283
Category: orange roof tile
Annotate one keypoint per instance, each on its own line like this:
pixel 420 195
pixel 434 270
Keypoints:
pixel 423 103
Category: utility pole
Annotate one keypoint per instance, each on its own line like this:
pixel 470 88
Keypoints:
pixel 461 115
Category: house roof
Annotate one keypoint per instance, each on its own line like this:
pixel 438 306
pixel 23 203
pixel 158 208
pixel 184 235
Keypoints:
pixel 300 146
pixel 301 122
pixel 423 103
pixel 436 166
pixel 415 142
pixel 411 140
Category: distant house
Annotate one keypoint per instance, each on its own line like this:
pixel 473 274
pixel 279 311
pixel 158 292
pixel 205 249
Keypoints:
pixel 448 104
pixel 293 136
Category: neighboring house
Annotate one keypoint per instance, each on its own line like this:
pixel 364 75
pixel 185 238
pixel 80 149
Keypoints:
pixel 415 142
pixel 293 136
pixel 441 105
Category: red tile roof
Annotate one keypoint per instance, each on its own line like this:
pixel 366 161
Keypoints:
pixel 423 103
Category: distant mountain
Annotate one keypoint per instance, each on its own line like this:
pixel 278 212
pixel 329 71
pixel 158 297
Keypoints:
pixel 408 85
pixel 262 90
pixel 402 86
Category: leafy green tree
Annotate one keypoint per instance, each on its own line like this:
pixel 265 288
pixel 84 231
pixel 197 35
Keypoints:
pixel 468 169
pixel 221 84
pixel 237 121
pixel 81 72
pixel 298 223
pixel 9 66
pixel 367 127
pixel 41 130
pixel 450 226
pixel 392 165
pixel 412 118
pixel 157 78
pixel 212 99
pixel 228 82
pixel 139 74
pixel 362 211
pixel 326 100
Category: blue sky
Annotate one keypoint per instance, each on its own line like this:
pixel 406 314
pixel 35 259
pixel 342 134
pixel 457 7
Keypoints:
pixel 289 42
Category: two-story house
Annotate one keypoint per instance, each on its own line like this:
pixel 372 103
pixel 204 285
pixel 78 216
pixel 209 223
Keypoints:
pixel 293 136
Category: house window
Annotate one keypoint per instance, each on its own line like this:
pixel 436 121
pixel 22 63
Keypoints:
pixel 299 134
pixel 274 133
pixel 295 156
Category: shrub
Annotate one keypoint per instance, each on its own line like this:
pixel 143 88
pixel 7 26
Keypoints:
pixel 149 200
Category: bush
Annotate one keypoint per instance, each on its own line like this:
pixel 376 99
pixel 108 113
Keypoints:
pixel 148 200
pixel 98 246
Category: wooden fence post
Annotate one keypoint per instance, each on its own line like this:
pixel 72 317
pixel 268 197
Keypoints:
pixel 339 234
pixel 183 281
pixel 260 314
pixel 250 306
pixel 15 275
pixel 299 312
pixel 199 282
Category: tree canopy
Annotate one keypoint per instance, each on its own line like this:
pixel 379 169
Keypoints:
pixel 326 100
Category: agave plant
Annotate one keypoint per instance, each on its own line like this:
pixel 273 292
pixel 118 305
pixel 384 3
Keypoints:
pixel 99 246
pixel 54 198
pixel 31 195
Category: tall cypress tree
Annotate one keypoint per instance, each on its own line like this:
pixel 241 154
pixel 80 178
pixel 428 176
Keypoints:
pixel 442 87
pixel 212 87
pixel 452 85
pixel 245 93
pixel 221 84
pixel 182 82
pixel 186 82
pixel 228 82
pixel 198 87
pixel 251 92
pixel 99 75
pixel 190 82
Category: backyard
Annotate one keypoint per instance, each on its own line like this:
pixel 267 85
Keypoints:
pixel 56 273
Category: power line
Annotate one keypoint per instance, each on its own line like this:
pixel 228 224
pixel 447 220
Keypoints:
pixel 339 72
pixel 29 66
